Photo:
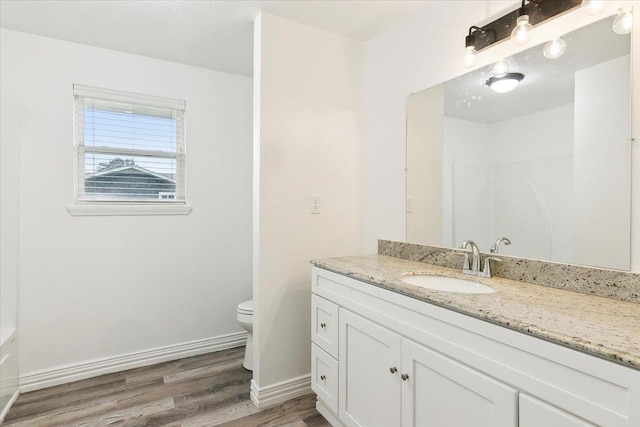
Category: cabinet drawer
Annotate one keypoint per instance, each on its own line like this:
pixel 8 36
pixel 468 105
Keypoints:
pixel 324 325
pixel 324 377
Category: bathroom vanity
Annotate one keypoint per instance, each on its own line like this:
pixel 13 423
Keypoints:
pixel 548 166
pixel 387 353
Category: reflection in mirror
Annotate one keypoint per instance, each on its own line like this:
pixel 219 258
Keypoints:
pixel 546 165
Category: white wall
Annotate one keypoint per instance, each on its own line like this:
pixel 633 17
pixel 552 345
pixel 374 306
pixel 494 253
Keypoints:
pixel 466 190
pixel 425 129
pixel 97 287
pixel 552 137
pixel 635 148
pixel 602 171
pixel 419 52
pixel 505 182
pixel 532 184
pixel 309 94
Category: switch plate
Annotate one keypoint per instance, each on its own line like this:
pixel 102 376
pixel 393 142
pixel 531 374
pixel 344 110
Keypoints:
pixel 314 206
pixel 409 204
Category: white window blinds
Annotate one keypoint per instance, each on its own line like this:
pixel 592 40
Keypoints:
pixel 130 147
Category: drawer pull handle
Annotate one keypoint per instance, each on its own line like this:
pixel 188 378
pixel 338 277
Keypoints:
pixel 323 325
pixel 405 377
pixel 322 377
pixel 393 370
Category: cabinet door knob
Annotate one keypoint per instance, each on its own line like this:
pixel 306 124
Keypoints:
pixel 323 325
pixel 393 370
pixel 322 377
pixel 405 377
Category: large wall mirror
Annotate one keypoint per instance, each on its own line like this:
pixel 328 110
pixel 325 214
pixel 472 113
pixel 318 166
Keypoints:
pixel 546 165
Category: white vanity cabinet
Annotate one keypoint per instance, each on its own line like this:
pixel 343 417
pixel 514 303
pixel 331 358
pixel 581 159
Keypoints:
pixel 369 380
pixel 400 361
pixel 386 380
pixel 438 391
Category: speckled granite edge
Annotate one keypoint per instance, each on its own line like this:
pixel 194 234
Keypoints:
pixel 614 284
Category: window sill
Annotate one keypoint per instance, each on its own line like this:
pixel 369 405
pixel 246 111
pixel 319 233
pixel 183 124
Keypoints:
pixel 112 209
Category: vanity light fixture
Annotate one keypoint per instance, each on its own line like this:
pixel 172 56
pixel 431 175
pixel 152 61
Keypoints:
pixel 506 83
pixel 518 23
pixel 624 21
pixel 522 34
pixel 554 48
pixel 594 7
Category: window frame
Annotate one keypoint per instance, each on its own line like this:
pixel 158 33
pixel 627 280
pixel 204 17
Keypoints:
pixel 159 206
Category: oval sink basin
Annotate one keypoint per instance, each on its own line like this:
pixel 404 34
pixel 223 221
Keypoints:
pixel 446 284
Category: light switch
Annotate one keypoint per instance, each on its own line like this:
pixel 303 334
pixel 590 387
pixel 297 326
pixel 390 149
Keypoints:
pixel 409 204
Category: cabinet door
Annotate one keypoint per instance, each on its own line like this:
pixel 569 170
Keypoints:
pixel 534 413
pixel 369 373
pixel 444 393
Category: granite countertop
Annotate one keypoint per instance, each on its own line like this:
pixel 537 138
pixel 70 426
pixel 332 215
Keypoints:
pixel 600 326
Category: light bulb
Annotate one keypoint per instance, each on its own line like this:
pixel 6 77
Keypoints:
pixel 554 48
pixel 504 86
pixel 623 22
pixel 500 69
pixel 594 7
pixel 521 34
pixel 470 56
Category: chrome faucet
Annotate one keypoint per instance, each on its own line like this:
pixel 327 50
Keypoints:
pixel 486 271
pixel 472 267
pixel 496 245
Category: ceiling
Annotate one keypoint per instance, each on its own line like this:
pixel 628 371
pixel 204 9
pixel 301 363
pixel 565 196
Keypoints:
pixel 216 34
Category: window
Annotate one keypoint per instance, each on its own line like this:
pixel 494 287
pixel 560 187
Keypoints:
pixel 129 147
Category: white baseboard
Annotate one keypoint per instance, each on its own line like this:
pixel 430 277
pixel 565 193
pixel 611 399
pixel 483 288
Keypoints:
pixel 264 397
pixel 6 408
pixel 80 371
pixel 328 414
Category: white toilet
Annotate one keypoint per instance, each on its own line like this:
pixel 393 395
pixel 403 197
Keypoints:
pixel 245 317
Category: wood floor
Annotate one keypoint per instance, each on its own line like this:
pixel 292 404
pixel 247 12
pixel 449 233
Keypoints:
pixel 207 390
